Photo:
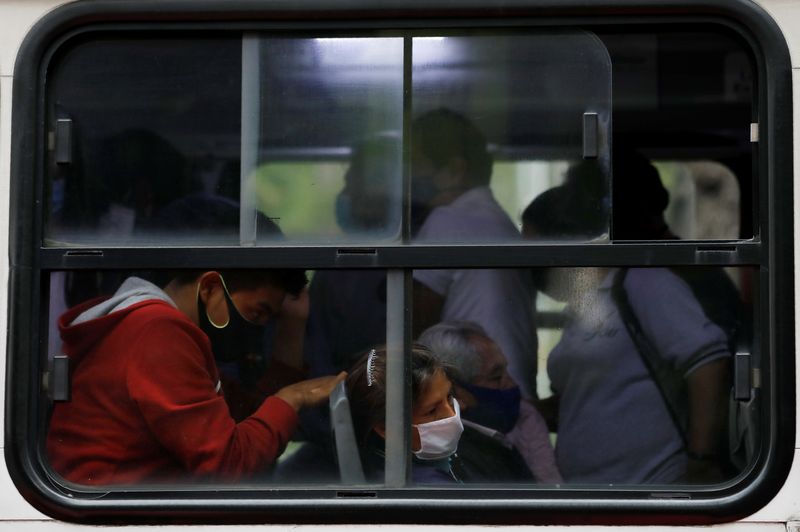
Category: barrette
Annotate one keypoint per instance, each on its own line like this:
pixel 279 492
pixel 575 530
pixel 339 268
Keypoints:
pixel 371 368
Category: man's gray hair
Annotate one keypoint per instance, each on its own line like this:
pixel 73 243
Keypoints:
pixel 449 342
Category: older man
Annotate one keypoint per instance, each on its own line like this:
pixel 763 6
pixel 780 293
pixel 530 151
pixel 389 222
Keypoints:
pixel 492 402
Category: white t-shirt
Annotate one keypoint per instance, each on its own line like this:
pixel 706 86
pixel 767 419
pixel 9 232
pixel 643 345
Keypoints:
pixel 499 300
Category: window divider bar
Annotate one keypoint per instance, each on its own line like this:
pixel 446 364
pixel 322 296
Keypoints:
pixel 407 119
pixel 251 121
pixel 398 400
pixel 398 256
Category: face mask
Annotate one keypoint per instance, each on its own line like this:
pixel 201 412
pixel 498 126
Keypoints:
pixel 497 409
pixel 439 438
pixel 236 338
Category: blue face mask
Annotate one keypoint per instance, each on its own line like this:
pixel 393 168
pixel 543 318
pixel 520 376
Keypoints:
pixel 497 409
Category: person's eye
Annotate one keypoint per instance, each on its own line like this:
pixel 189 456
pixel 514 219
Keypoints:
pixel 260 318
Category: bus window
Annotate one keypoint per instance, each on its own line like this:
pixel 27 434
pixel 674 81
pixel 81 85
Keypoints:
pixel 201 398
pixel 507 107
pixel 549 253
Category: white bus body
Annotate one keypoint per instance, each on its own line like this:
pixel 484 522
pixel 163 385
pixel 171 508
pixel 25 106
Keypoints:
pixel 17 17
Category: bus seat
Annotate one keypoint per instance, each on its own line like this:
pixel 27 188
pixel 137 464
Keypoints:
pixel 347 456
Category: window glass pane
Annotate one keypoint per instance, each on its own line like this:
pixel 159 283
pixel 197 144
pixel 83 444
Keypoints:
pixel 144 142
pixel 683 98
pixel 705 200
pixel 598 331
pixel 174 397
pixel 492 114
pixel 328 118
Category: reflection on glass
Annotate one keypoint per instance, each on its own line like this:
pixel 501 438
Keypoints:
pixel 519 99
pixel 328 147
pixel 196 376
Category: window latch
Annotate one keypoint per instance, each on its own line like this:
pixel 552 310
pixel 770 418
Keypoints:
pixel 742 377
pixel 56 379
pixel 63 141
pixel 590 136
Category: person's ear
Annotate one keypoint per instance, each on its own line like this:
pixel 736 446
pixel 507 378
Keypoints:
pixel 212 293
pixel 464 397
pixel 456 170
pixel 207 284
pixel 452 175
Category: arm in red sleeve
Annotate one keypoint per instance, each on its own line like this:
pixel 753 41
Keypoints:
pixel 174 382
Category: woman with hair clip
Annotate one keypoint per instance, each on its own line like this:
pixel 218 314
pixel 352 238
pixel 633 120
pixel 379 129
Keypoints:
pixel 435 416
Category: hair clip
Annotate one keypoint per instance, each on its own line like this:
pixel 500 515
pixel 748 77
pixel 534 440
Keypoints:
pixel 371 367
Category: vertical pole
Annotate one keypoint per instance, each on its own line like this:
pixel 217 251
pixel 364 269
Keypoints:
pixel 398 320
pixel 251 122
pixel 398 403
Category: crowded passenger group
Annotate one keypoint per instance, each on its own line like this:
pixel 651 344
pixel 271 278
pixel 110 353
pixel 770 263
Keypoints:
pixel 222 375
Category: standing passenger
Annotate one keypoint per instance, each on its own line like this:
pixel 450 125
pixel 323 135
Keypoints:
pixel 605 393
pixel 451 170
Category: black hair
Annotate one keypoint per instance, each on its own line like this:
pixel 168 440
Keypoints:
pixel 558 214
pixel 639 197
pixel 212 216
pixel 368 401
pixel 443 135
pixel 289 279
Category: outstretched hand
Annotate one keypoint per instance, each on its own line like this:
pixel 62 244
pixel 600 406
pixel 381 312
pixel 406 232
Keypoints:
pixel 311 392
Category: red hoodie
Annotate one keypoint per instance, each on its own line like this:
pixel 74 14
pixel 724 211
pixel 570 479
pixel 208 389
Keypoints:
pixel 146 404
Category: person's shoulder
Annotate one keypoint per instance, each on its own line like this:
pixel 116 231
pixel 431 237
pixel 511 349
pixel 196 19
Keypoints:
pixel 440 219
pixel 155 310
pixel 652 278
pixel 156 319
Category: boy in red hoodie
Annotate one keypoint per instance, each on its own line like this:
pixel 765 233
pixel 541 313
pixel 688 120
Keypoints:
pixel 147 404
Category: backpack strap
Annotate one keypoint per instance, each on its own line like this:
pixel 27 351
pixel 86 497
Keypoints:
pixel 672 386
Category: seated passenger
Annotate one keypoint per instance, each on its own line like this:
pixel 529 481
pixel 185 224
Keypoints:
pixel 435 416
pixel 147 404
pixel 266 363
pixel 494 410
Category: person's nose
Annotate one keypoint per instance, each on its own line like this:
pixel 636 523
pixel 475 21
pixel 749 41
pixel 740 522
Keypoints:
pixel 449 410
pixel 507 382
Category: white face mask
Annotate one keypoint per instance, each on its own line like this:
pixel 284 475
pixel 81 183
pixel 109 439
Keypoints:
pixel 439 439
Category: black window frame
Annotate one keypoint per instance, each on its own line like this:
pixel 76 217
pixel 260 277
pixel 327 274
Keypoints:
pixel 770 250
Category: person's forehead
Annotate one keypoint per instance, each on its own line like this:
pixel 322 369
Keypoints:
pixel 488 350
pixel 435 389
pixel 267 292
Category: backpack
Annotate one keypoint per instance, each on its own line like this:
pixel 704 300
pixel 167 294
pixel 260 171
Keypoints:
pixel 718 297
